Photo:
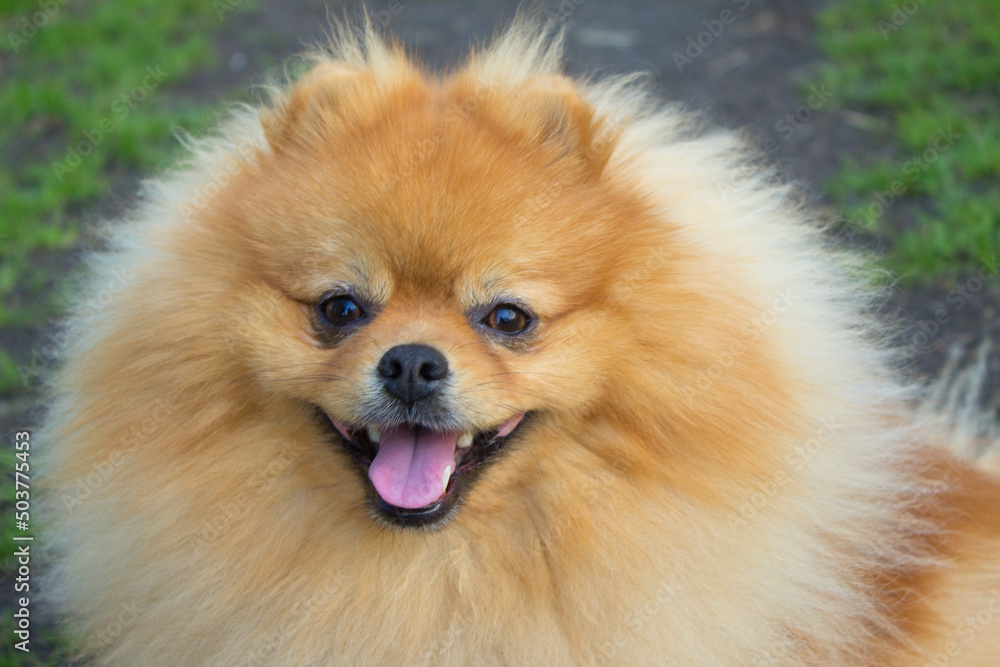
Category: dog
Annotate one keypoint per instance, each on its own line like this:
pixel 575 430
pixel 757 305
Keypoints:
pixel 487 368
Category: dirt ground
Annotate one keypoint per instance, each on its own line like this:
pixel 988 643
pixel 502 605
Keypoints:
pixel 746 73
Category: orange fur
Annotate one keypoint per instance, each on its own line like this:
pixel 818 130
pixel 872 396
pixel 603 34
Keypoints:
pixel 720 466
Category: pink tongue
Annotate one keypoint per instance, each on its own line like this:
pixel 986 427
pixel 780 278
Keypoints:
pixel 408 470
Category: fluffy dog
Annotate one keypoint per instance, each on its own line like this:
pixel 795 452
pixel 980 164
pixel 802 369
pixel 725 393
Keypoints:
pixel 496 367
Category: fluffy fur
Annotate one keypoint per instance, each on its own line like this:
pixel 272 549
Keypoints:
pixel 720 468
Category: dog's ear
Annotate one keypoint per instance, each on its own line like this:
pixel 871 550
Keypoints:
pixel 564 118
pixel 550 112
pixel 324 92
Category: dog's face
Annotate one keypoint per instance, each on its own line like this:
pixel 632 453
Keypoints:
pixel 437 276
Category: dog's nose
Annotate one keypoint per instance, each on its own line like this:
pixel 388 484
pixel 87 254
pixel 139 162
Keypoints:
pixel 412 372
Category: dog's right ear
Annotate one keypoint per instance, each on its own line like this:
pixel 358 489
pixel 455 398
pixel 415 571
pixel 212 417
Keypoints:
pixel 317 101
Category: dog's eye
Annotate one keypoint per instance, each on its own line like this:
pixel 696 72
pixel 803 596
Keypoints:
pixel 507 319
pixel 340 311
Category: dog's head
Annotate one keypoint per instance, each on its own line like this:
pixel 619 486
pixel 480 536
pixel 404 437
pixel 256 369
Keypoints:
pixel 441 267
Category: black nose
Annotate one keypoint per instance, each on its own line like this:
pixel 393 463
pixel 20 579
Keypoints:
pixel 412 372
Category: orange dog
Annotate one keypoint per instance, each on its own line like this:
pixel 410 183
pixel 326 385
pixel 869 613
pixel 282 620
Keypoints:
pixel 483 369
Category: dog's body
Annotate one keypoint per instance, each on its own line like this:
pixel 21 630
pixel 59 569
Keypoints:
pixel 703 458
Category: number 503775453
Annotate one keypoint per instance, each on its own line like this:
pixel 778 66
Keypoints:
pixel 21 468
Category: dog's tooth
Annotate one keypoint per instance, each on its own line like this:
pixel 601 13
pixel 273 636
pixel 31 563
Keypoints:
pixel 373 434
pixel 465 441
pixel 445 477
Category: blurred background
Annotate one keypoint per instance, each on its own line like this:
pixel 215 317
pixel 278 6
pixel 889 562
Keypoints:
pixel 885 111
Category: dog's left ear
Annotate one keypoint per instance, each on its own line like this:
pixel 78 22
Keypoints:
pixel 550 112
pixel 565 119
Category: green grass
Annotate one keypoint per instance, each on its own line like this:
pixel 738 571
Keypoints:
pixel 75 80
pixel 103 78
pixel 934 75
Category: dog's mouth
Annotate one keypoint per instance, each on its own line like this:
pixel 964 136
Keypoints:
pixel 417 473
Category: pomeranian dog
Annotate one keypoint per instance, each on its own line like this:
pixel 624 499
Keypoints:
pixel 496 367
